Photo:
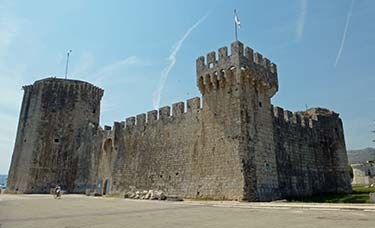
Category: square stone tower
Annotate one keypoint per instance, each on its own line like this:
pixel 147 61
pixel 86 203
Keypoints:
pixel 237 89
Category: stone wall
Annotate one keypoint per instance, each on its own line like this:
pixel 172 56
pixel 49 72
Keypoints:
pixel 57 116
pixel 310 152
pixel 235 145
pixel 179 154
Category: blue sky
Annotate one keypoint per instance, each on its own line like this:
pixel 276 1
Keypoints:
pixel 142 53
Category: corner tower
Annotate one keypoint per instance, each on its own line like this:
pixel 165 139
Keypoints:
pixel 54 114
pixel 237 89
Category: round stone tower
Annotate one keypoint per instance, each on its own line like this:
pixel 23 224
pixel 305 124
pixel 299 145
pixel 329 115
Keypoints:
pixel 55 116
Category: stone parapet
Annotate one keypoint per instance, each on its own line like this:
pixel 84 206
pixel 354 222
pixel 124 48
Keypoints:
pixel 242 65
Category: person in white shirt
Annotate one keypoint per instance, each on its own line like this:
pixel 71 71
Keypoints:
pixel 58 192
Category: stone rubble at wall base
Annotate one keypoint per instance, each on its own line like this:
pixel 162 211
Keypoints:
pixel 146 195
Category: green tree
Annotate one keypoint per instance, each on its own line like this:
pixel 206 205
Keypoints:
pixel 350 169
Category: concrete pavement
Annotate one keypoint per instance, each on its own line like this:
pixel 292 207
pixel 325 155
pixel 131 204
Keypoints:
pixel 81 211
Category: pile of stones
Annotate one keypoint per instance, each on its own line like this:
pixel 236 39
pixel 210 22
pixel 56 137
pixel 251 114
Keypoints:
pixel 146 195
pixel 150 195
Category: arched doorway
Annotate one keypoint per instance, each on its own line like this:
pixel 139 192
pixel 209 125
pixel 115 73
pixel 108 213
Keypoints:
pixel 106 158
pixel 105 168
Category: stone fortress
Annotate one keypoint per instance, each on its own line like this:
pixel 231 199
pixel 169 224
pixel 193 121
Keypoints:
pixel 232 145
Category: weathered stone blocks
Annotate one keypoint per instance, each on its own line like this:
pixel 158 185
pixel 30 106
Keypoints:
pixel 236 146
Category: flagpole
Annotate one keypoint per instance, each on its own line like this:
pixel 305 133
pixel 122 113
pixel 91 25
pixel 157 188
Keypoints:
pixel 235 29
pixel 67 63
pixel 235 26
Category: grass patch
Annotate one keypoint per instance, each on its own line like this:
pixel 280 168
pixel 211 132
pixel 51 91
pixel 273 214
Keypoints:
pixel 360 194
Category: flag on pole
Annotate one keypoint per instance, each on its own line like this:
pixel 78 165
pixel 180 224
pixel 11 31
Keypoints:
pixel 237 20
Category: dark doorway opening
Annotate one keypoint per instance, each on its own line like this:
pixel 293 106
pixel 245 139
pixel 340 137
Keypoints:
pixel 105 187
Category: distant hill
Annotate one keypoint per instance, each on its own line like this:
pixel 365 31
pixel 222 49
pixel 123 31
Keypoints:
pixel 359 156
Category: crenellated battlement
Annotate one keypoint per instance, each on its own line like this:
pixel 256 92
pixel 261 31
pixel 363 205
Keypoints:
pixel 164 113
pixel 296 118
pixel 311 118
pixel 69 84
pixel 241 66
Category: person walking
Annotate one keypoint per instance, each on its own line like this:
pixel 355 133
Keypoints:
pixel 58 192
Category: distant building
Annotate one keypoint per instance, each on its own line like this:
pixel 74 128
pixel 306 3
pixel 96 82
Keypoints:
pixel 364 173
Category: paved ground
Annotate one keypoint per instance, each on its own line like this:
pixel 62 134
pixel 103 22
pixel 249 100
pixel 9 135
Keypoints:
pixel 75 211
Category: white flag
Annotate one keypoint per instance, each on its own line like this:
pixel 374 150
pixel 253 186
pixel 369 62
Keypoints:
pixel 237 20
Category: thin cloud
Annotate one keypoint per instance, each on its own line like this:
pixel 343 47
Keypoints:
pixel 343 39
pixel 7 33
pixel 301 20
pixel 10 86
pixel 85 62
pixel 12 74
pixel 8 30
pixel 172 61
pixel 113 68
pixel 107 106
